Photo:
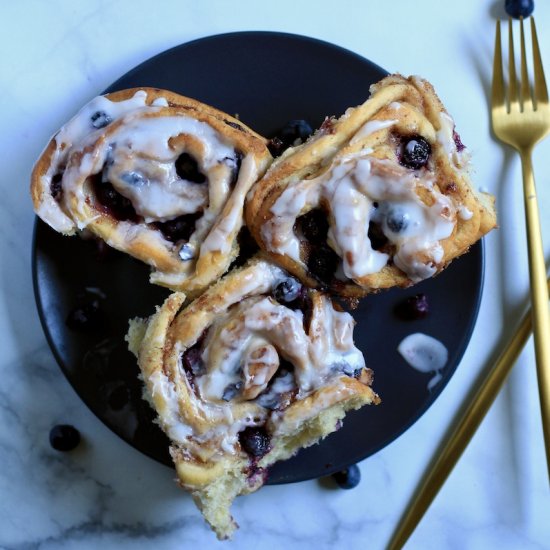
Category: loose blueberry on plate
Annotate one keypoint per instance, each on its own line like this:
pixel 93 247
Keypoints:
pixel 254 441
pixel 415 152
pixel 519 8
pixel 348 478
pixel 64 437
pixel 293 133
pixel 413 307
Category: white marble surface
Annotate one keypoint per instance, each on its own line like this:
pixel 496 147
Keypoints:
pixel 55 56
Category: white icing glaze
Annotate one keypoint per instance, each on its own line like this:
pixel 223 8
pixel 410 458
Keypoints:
pixel 369 128
pixel 424 353
pixel 244 346
pixel 360 189
pixel 465 213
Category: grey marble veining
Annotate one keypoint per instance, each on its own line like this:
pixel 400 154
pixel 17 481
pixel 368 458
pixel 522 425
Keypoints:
pixel 57 55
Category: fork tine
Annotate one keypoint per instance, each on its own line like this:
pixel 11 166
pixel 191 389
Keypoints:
pixel 497 92
pixel 525 90
pixel 541 92
pixel 512 78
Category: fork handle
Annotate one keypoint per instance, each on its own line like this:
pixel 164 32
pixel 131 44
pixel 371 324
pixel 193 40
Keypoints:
pixel 540 312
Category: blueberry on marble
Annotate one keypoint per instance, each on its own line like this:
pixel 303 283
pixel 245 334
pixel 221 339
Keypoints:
pixel 100 119
pixel 64 437
pixel 135 179
pixel 254 441
pixel 397 220
pixel 519 8
pixel 287 290
pixel 415 152
pixel 348 478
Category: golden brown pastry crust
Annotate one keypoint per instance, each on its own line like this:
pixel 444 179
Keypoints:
pixel 398 107
pixel 210 460
pixel 79 208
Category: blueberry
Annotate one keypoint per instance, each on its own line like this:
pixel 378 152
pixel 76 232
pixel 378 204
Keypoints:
pixel 56 189
pixel 322 263
pixel 413 307
pixel 180 228
pixel 100 119
pixel 397 220
pixel 187 169
pixel 187 252
pixel 192 361
pixel 117 205
pixel 86 316
pixel 314 225
pixel 287 290
pixel 415 152
pixel 458 142
pixel 64 437
pixel 519 8
pixel 136 179
pixel 348 478
pixel 254 441
pixel 231 391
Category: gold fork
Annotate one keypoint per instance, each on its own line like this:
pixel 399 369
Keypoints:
pixel 522 120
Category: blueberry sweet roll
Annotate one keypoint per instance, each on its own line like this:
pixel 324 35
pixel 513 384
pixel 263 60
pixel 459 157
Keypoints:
pixel 380 197
pixel 252 370
pixel 156 175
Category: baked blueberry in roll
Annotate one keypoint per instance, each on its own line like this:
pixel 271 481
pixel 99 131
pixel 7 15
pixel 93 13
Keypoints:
pixel 156 175
pixel 252 370
pixel 378 198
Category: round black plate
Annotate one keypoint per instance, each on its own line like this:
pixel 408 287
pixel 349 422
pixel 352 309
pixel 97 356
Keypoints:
pixel 267 79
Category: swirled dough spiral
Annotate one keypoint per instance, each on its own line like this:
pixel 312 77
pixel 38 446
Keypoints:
pixel 256 356
pixel 156 175
pixel 378 198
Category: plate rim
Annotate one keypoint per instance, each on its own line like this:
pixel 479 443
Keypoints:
pixel 465 337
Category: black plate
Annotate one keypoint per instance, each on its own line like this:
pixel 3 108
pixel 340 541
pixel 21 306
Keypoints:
pixel 268 79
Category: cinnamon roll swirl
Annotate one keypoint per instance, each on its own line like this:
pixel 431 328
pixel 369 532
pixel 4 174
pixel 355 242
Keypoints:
pixel 156 175
pixel 248 373
pixel 378 198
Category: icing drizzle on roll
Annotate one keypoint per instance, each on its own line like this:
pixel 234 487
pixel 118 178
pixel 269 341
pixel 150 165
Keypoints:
pixel 359 188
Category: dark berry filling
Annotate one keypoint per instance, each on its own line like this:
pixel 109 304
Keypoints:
pixel 254 441
pixel 314 225
pixel 414 152
pixel 237 161
pixel 234 125
pixel 100 119
pixel 276 147
pixel 192 362
pixel 64 437
pixel 187 169
pixel 86 316
pixel 322 263
pixel 458 142
pixel 376 236
pixel 413 307
pixel 112 201
pixel 348 478
pixel 287 290
pixel 180 228
pixel 247 248
pixel 56 189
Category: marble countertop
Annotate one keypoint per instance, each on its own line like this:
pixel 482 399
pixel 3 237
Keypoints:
pixel 56 56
